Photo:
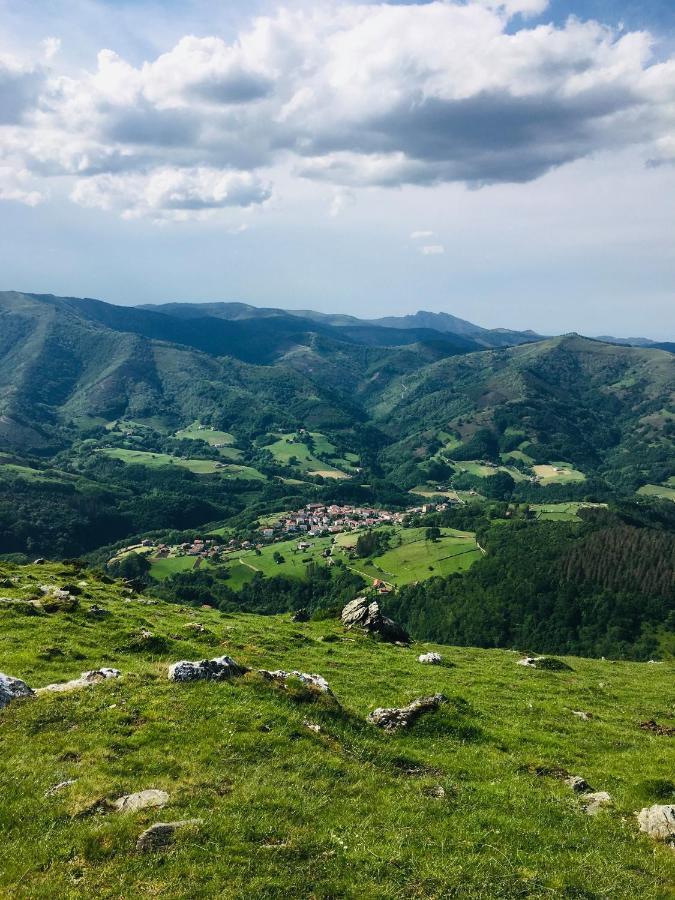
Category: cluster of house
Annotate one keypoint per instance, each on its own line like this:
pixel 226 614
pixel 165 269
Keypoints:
pixel 317 519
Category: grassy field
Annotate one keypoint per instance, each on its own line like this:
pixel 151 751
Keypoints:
pixel 664 491
pixel 283 449
pixel 413 560
pixel 154 460
pixel 558 473
pixel 196 432
pixel 347 811
pixel 473 467
pixel 198 466
pixel 560 512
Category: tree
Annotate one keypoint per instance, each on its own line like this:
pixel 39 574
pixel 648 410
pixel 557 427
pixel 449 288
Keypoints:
pixel 433 533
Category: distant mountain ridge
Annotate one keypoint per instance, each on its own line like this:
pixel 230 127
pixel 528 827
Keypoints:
pixel 442 323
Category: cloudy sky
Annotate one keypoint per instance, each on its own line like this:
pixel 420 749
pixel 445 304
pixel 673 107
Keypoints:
pixel 508 161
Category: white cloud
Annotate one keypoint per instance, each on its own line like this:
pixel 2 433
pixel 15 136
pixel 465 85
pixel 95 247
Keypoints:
pixel 420 235
pixel 16 185
pixel 172 193
pixel 432 250
pixel 352 95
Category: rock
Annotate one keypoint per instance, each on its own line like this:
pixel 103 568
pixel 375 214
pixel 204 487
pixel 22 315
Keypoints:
pixel 544 662
pixel 11 688
pixel 60 786
pixel 578 784
pixel 366 614
pixel 300 615
pixel 312 726
pixel 585 716
pixel 393 718
pixel 97 612
pixel 433 659
pixel 39 561
pixel 161 834
pixel 140 800
pixel 195 626
pixel 593 803
pixel 218 669
pixel 436 793
pixel 655 728
pixel 316 682
pixel 658 822
pixel 86 679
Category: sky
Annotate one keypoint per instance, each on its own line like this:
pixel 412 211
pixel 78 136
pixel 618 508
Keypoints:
pixel 511 162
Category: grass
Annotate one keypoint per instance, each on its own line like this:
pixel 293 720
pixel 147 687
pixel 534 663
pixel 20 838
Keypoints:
pixel 558 473
pixel 170 565
pixel 473 467
pixel 196 432
pixel 414 560
pixel 198 466
pixel 155 460
pixel 560 512
pixel 283 451
pixel 664 491
pixel 345 812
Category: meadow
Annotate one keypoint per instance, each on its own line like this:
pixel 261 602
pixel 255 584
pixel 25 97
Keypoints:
pixel 286 448
pixel 458 805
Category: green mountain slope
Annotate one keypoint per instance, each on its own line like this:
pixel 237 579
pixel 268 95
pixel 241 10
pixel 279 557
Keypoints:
pixel 297 794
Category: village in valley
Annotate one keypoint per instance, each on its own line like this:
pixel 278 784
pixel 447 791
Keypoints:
pixel 315 520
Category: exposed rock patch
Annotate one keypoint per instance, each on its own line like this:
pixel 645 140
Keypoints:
pixel 580 714
pixel 393 718
pixel 366 614
pixel 655 728
pixel 315 682
pixel 161 834
pixel 140 800
pixel 11 688
pixel 658 822
pixel 219 669
pixel 86 679
pixel 544 662
pixel 432 659
pixel 592 803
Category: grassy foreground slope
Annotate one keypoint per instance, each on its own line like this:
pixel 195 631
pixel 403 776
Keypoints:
pixel 348 811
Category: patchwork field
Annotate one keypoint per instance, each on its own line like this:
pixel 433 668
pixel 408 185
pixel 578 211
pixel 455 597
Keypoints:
pixel 410 557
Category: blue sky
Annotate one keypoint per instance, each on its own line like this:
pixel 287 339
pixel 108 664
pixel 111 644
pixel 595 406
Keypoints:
pixel 499 161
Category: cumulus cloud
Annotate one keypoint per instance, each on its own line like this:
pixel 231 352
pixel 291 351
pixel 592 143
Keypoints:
pixel 170 192
pixel 352 95
pixel 432 250
pixel 16 184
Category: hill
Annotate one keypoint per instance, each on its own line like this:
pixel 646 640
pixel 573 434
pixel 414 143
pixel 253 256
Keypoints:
pixel 297 794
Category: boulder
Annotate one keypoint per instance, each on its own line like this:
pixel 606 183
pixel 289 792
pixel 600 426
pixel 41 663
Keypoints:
pixel 219 669
pixel 593 803
pixel 97 612
pixel 161 834
pixel 432 659
pixel 393 718
pixel 658 822
pixel 86 679
pixel 316 682
pixel 580 714
pixel 11 688
pixel 366 614
pixel 140 800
